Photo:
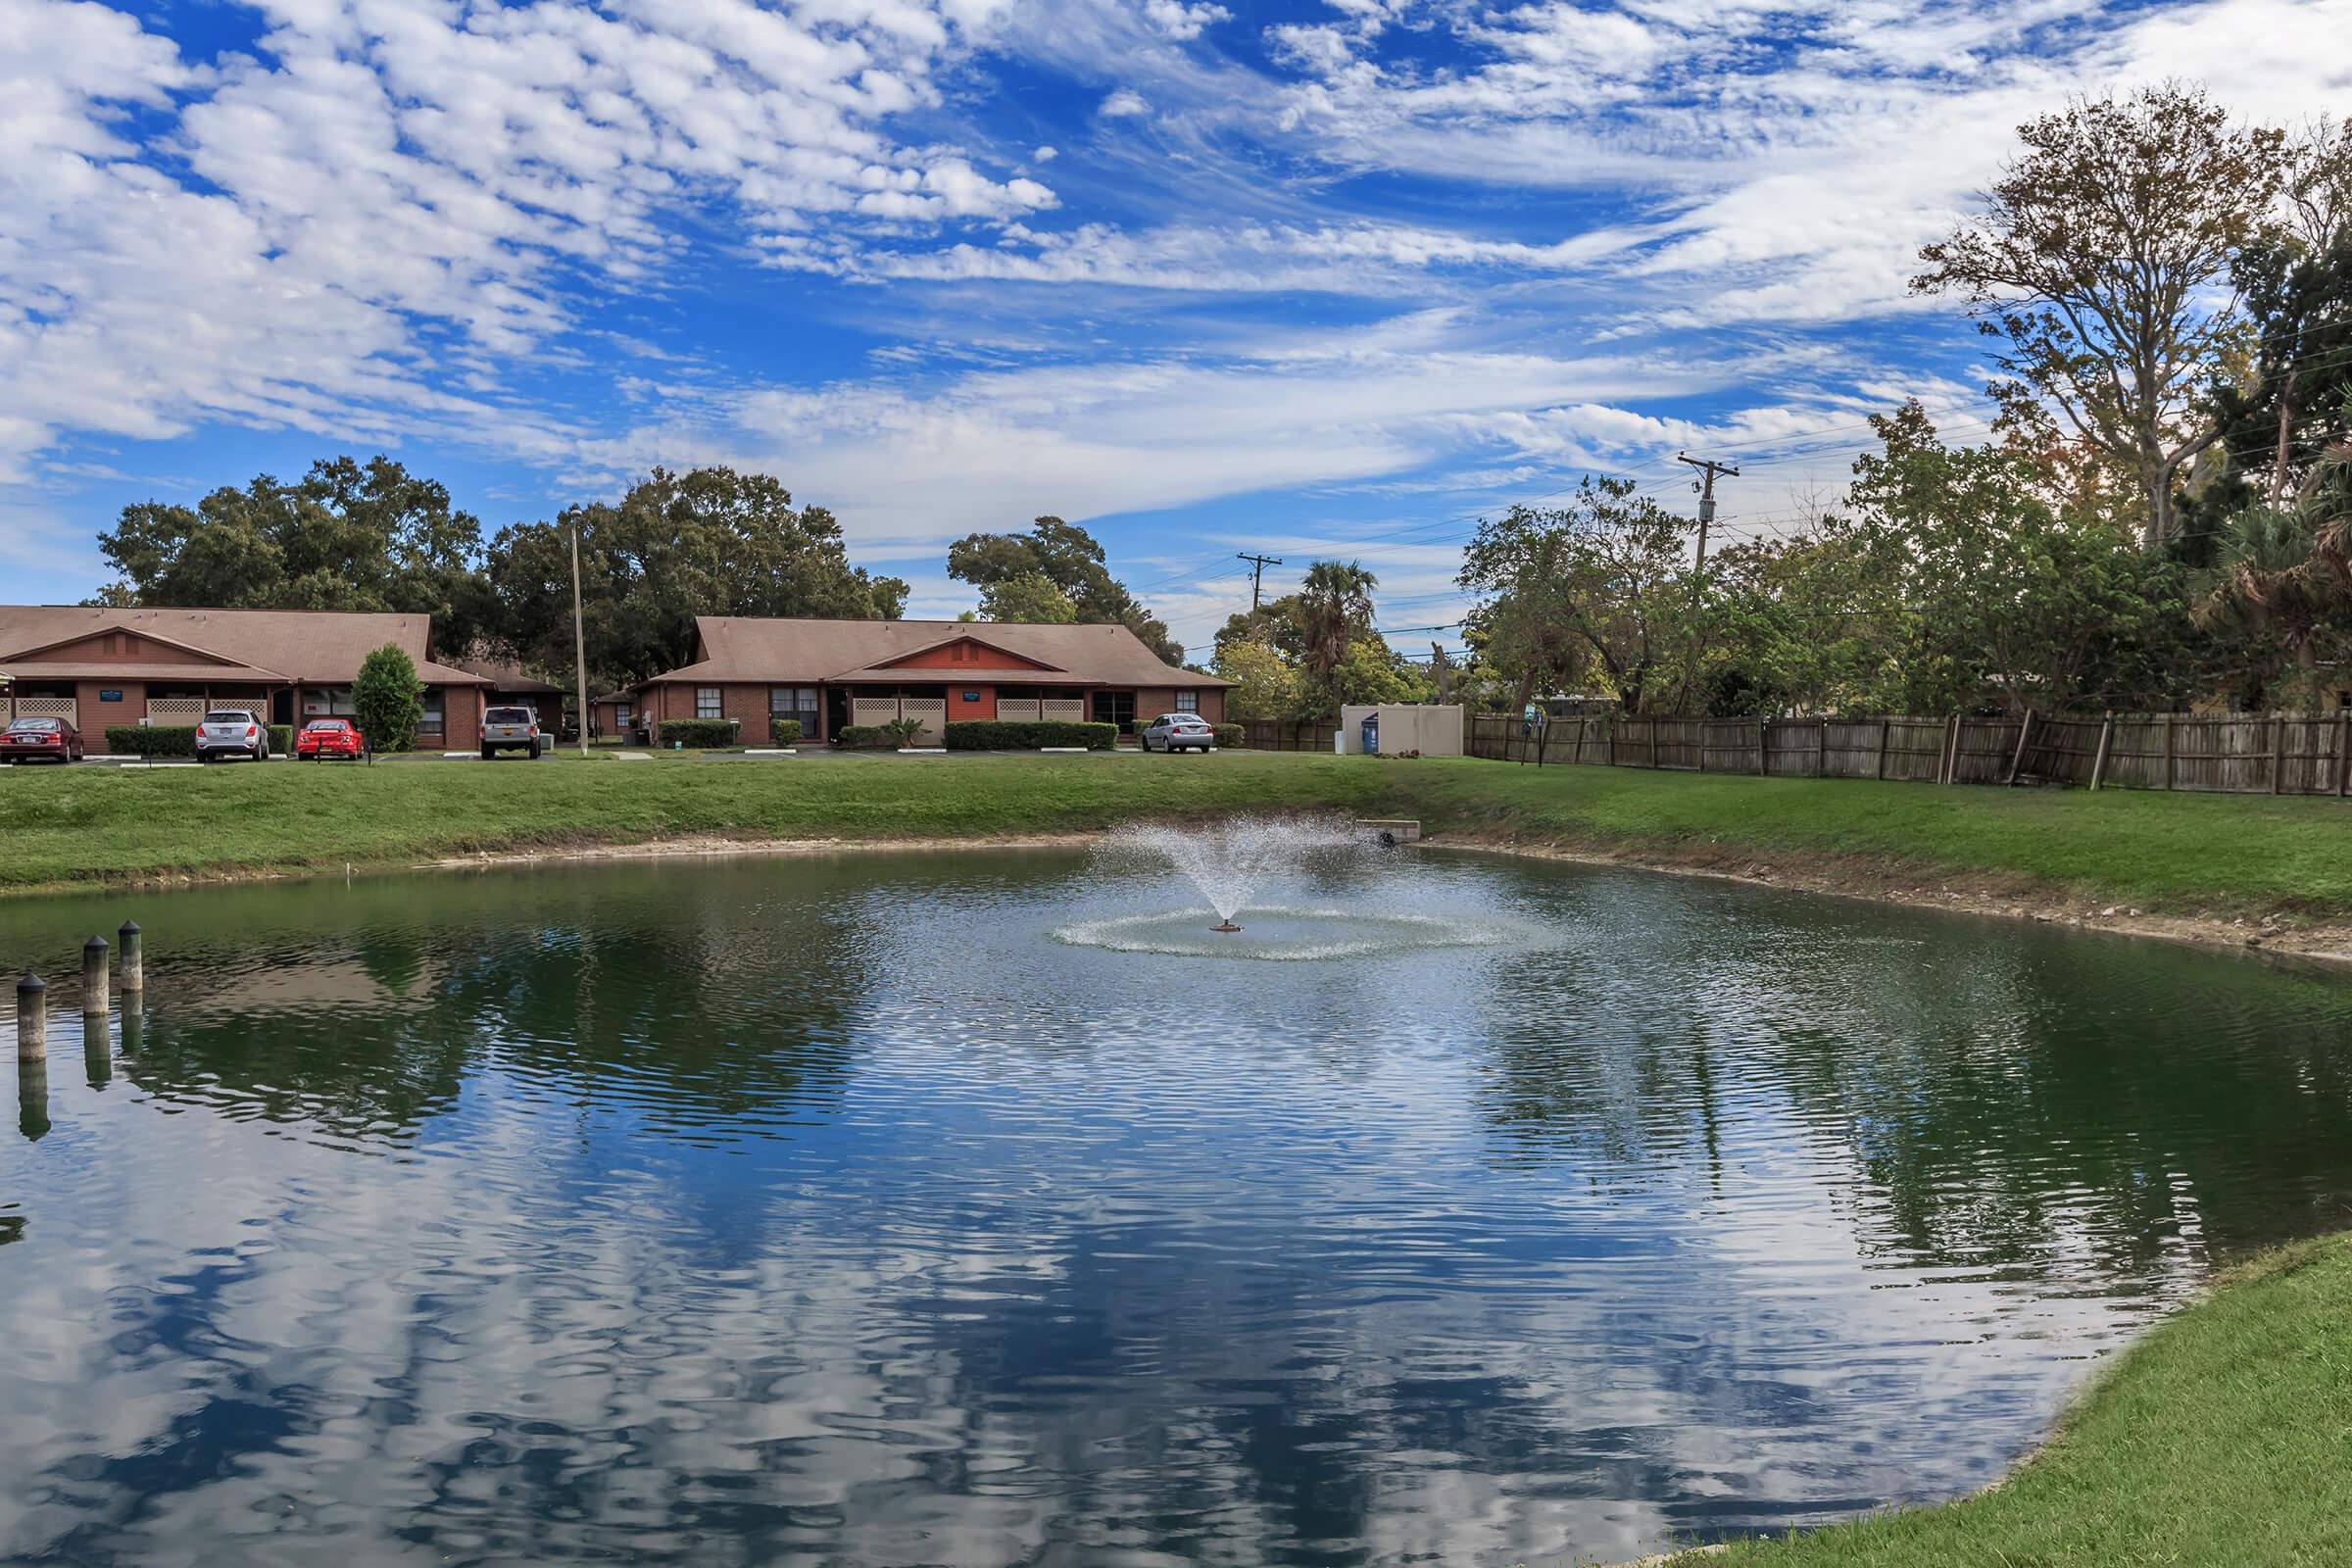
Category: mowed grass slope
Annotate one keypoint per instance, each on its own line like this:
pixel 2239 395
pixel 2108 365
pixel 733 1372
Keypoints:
pixel 2223 1439
pixel 62 825
pixel 2179 852
pixel 2165 853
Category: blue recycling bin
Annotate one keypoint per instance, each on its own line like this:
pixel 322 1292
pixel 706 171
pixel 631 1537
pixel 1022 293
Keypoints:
pixel 1371 734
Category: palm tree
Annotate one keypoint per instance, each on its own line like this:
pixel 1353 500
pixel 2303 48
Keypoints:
pixel 1335 605
pixel 2285 570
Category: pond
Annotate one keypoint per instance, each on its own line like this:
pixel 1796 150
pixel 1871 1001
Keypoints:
pixel 882 1211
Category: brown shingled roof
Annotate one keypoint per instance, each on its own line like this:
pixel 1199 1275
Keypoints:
pixel 322 647
pixel 742 648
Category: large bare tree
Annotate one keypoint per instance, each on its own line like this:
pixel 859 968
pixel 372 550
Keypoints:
pixel 2101 264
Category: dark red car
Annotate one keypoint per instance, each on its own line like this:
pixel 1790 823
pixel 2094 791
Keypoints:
pixel 323 738
pixel 40 740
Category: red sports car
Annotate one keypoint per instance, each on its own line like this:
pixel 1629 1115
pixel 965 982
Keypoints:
pixel 323 738
pixel 47 740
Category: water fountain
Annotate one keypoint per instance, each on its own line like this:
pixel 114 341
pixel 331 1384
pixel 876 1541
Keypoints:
pixel 1236 864
pixel 1227 861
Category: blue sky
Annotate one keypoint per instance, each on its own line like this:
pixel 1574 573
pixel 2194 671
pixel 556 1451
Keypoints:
pixel 1313 277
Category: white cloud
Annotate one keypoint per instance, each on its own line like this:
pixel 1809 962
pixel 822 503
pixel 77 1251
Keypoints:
pixel 1123 104
pixel 1184 21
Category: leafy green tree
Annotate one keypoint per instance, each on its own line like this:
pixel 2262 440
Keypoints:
pixel 347 536
pixel 1266 682
pixel 1367 670
pixel 1598 590
pixel 387 700
pixel 1031 596
pixel 2100 267
pixel 1068 556
pixel 1812 623
pixel 709 541
pixel 2291 400
pixel 2001 600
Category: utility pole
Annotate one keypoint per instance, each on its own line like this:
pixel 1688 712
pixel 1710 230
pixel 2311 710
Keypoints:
pixel 1258 576
pixel 1705 486
pixel 579 639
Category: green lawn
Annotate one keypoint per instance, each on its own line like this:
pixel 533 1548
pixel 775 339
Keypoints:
pixel 2223 1439
pixel 2176 852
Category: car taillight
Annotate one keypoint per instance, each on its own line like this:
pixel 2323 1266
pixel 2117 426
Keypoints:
pixel 251 732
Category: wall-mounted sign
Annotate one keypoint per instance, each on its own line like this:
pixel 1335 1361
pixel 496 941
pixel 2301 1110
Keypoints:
pixel 109 696
pixel 971 697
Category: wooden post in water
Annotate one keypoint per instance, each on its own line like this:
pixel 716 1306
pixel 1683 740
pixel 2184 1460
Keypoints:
pixel 32 1018
pixel 93 978
pixel 133 1021
pixel 133 959
pixel 2023 731
pixel 2098 767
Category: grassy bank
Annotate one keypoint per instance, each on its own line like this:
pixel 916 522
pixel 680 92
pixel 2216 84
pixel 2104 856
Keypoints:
pixel 2181 852
pixel 2223 1439
pixel 78 825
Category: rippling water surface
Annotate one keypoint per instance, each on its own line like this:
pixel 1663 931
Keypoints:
pixel 865 1211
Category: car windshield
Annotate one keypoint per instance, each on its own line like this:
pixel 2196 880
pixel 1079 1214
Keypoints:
pixel 33 726
pixel 508 715
pixel 228 716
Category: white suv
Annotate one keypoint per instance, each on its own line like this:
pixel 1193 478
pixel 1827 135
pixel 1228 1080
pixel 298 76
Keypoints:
pixel 232 732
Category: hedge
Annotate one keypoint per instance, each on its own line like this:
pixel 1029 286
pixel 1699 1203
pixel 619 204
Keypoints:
pixel 1027 735
pixel 1228 735
pixel 862 735
pixel 784 731
pixel 696 733
pixel 178 740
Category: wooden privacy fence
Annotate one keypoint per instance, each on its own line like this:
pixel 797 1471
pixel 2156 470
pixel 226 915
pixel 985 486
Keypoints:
pixel 2238 753
pixel 1281 735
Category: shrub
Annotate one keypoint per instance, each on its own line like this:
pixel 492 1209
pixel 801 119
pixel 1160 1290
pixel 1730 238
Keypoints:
pixel 1027 735
pixel 696 733
pixel 1228 734
pixel 160 740
pixel 784 731
pixel 387 701
pixel 902 731
pixel 178 740
pixel 861 735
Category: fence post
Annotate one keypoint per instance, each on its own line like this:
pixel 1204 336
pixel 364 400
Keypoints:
pixel 1764 747
pixel 1884 725
pixel 2023 731
pixel 2171 722
pixel 1821 751
pixel 1653 744
pixel 2343 751
pixel 2098 766
pixel 1950 770
pixel 2278 753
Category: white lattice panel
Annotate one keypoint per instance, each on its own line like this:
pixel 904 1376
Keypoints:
pixel 167 712
pixel 1063 710
pixel 874 709
pixel 63 707
pixel 1017 708
pixel 932 711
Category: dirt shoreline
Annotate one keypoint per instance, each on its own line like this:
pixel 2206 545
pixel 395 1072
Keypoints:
pixel 1839 877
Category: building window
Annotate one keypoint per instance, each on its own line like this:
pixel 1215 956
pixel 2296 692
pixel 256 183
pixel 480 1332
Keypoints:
pixel 799 704
pixel 431 717
pixel 706 702
pixel 1115 708
pixel 1188 702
